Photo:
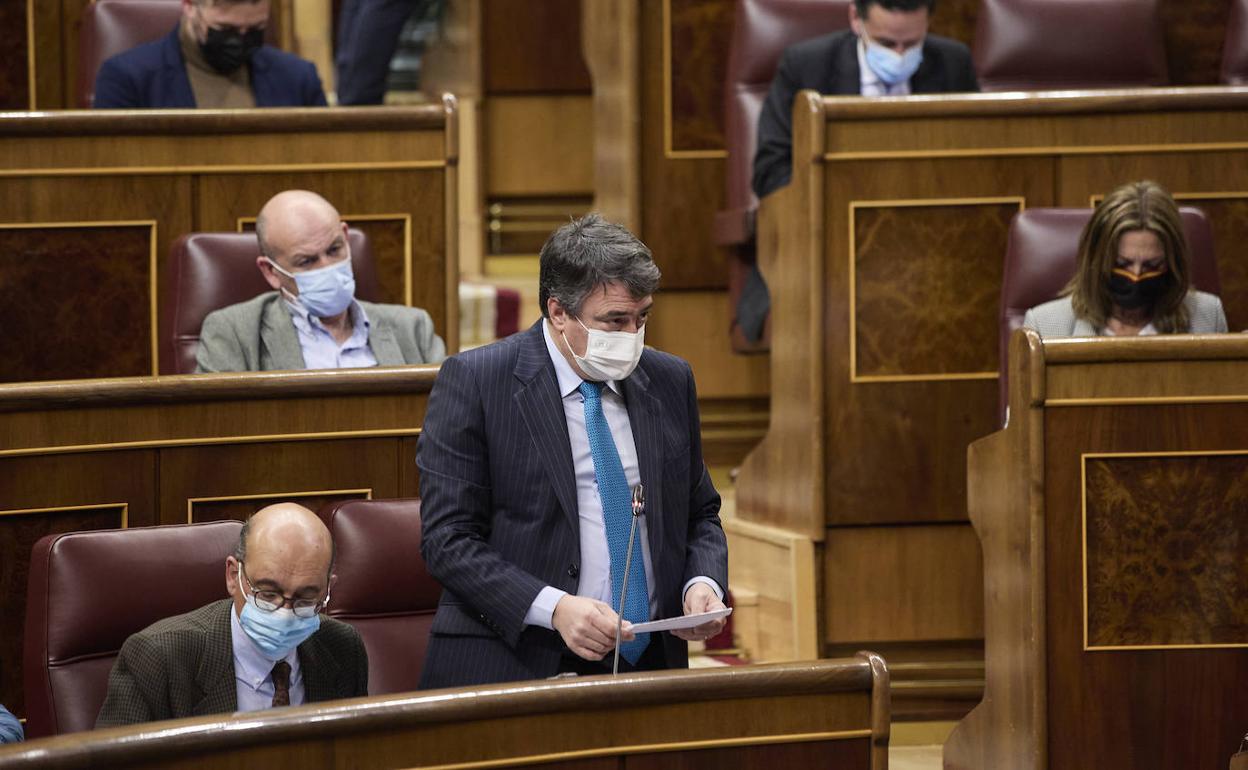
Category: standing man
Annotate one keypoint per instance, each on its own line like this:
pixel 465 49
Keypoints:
pixel 885 52
pixel 530 451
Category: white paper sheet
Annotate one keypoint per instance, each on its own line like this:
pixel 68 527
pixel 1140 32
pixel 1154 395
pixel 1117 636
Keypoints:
pixel 681 621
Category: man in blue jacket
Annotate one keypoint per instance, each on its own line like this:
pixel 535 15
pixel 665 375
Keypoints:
pixel 215 58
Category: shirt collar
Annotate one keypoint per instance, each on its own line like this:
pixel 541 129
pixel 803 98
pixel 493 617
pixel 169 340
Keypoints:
pixel 305 320
pixel 250 666
pixel 569 381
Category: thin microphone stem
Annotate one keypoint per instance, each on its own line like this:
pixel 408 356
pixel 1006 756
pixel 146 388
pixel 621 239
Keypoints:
pixel 639 503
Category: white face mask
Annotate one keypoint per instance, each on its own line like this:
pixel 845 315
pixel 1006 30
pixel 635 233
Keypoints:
pixel 609 355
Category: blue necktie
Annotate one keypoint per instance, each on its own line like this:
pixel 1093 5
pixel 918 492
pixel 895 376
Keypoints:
pixel 617 515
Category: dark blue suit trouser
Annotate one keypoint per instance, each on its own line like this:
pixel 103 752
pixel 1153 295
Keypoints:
pixel 368 34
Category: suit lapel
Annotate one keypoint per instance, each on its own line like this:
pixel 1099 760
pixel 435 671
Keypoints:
pixel 385 347
pixel 320 671
pixel 645 415
pixel 929 78
pixel 539 405
pixel 846 79
pixel 177 82
pixel 278 338
pixel 216 668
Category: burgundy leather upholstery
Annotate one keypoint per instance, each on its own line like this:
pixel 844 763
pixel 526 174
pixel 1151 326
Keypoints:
pixel 1235 51
pixel 506 312
pixel 1040 258
pixel 383 587
pixel 110 27
pixel 209 271
pixel 89 591
pixel 1025 45
pixel 762 30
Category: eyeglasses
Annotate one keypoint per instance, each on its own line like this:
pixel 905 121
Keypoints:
pixel 269 600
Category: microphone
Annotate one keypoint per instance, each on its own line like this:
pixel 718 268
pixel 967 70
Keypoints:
pixel 639 507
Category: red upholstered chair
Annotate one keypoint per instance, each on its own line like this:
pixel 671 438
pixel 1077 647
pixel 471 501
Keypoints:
pixel 110 27
pixel 1235 51
pixel 1040 257
pixel 762 30
pixel 209 271
pixel 89 591
pixel 1025 45
pixel 383 588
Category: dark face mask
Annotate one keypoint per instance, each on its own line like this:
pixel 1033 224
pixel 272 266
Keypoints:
pixel 228 49
pixel 1129 292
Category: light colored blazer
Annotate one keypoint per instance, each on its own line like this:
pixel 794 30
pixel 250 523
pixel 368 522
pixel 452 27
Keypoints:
pixel 258 335
pixel 1057 317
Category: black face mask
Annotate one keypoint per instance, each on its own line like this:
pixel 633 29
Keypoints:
pixel 228 49
pixel 1130 293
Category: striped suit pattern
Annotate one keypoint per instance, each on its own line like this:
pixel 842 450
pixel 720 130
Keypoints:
pixel 499 512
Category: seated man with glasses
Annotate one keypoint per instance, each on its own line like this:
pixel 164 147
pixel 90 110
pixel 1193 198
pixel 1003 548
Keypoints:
pixel 265 646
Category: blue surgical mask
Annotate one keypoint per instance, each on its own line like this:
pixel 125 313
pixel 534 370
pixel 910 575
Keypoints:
pixel 276 633
pixel 892 67
pixel 325 292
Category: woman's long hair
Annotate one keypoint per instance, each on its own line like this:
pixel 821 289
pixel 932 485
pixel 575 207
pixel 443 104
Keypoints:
pixel 1133 206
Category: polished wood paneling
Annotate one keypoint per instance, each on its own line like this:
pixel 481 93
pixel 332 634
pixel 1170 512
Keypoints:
pixel 779 569
pixel 14 65
pixel 1195 31
pixel 539 146
pixel 64 277
pixel 1228 216
pixel 533 48
pixel 1166 550
pixel 698 59
pixel 388 239
pixel 818 713
pixel 951 250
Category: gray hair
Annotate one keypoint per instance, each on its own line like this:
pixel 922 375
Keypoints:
pixel 262 226
pixel 589 253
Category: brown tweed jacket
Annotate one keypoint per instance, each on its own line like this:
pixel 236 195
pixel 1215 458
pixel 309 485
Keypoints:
pixel 184 666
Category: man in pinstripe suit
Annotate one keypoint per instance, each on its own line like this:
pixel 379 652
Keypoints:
pixel 528 445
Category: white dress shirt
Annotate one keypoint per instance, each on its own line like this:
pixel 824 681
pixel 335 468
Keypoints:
pixel 595 568
pixel 253 673
pixel 321 350
pixel 870 84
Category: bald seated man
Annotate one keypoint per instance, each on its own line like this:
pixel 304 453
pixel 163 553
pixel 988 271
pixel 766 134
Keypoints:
pixel 311 319
pixel 266 646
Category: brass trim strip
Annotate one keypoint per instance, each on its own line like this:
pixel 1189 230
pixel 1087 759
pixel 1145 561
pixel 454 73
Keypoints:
pixel 125 510
pixel 259 168
pixel 190 501
pixel 31 80
pixel 1187 196
pixel 1010 152
pixel 1083 506
pixel 1144 400
pixel 210 441
pixel 644 748
pixel 854 205
pixel 152 263
pixel 668 152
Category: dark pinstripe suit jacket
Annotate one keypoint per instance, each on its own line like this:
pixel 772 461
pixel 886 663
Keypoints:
pixel 499 513
pixel 183 666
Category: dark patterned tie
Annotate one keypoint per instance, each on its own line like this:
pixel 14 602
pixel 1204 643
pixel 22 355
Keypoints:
pixel 281 683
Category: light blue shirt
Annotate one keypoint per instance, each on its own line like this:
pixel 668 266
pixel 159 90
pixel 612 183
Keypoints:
pixel 595 569
pixel 253 673
pixel 321 350
pixel 10 727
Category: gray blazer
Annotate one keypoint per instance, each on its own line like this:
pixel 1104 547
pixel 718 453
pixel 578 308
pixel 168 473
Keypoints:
pixel 184 666
pixel 258 335
pixel 1057 318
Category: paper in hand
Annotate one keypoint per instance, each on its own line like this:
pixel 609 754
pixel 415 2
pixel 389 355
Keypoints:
pixel 681 621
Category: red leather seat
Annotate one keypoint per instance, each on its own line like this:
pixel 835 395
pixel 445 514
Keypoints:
pixel 89 591
pixel 1235 51
pixel 383 588
pixel 1040 257
pixel 110 27
pixel 209 271
pixel 761 32
pixel 1026 45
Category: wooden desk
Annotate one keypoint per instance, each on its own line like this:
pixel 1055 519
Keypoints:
pixel 97 454
pixel 884 262
pixel 1113 512
pixel 92 200
pixel 831 714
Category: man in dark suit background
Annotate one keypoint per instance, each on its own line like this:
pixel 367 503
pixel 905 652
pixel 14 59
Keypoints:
pixel 266 646
pixel 214 58
pixel 529 452
pixel 885 52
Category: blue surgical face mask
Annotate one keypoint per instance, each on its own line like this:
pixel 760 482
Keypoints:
pixel 275 633
pixel 324 292
pixel 892 67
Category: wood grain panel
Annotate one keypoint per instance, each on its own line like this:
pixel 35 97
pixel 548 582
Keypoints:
pixel 897 584
pixel 1166 550
pixel 79 302
pixel 533 48
pixel 1229 219
pixel 14 66
pixel 539 146
pixel 1138 708
pixel 241 507
pixel 57 489
pixel 699 31
pixel 848 753
pixel 929 275
pixel 388 239
pixel 1194 33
